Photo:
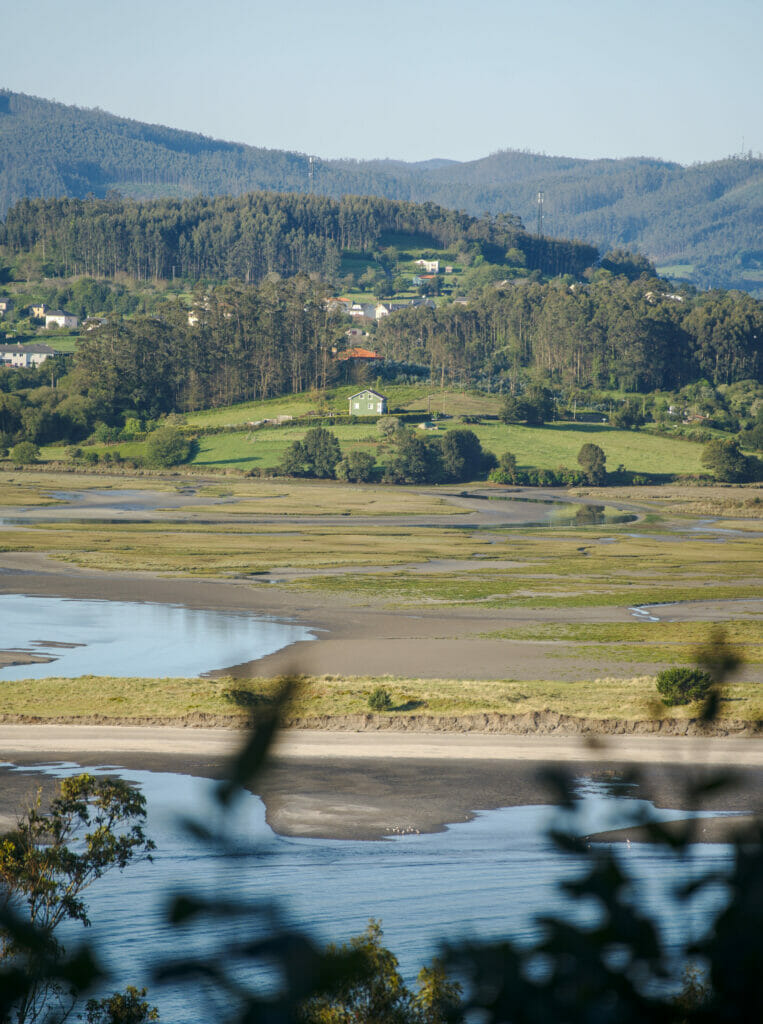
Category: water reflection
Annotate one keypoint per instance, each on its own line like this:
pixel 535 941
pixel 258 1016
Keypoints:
pixel 129 638
pixel 486 878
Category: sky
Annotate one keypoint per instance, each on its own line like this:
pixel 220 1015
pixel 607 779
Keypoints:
pixel 409 79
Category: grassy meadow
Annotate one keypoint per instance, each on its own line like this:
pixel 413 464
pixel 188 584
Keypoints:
pixel 241 450
pixel 104 699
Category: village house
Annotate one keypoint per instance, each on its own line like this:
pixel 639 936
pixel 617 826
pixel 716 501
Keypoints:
pixel 429 266
pixel 61 318
pixel 356 334
pixel 363 354
pixel 6 305
pixel 24 356
pixel 368 403
pixel 94 322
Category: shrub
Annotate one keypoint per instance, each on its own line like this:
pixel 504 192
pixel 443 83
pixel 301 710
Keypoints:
pixel 683 685
pixel 167 446
pixel 317 454
pixel 379 699
pixel 24 453
pixel 358 467
pixel 593 461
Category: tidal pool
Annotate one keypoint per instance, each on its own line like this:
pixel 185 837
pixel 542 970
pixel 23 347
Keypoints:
pixel 130 638
pixel 483 879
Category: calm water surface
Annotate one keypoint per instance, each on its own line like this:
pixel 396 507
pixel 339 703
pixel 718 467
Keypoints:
pixel 482 879
pixel 130 638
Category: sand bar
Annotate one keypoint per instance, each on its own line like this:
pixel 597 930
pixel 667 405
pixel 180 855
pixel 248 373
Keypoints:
pixel 54 740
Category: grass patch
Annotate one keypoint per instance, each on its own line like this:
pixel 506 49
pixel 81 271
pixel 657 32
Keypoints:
pixel 166 700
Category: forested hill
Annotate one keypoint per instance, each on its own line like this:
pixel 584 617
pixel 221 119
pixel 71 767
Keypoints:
pixel 247 237
pixel 706 218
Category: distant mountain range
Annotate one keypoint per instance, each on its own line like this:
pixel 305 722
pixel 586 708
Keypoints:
pixel 701 222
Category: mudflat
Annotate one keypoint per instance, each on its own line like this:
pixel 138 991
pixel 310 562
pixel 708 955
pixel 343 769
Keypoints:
pixel 366 786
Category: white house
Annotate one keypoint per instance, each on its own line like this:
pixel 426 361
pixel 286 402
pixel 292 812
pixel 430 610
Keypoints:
pixel 429 266
pixel 60 318
pixel 24 356
pixel 5 306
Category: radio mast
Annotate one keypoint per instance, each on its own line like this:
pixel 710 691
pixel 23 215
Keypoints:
pixel 540 215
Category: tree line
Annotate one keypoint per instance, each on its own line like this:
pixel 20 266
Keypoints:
pixel 607 332
pixel 253 235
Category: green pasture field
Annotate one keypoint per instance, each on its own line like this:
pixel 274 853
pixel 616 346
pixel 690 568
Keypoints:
pixel 63 344
pixel 165 700
pixel 676 270
pixel 549 447
pixel 558 444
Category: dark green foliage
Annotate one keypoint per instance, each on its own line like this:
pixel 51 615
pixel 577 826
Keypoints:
pixel 628 264
pixel 167 446
pixel 379 699
pixel 248 237
pixel 128 1007
pixel 462 455
pixel 627 416
pixel 416 460
pixel 513 410
pixel 593 461
pixel 506 470
pixel 25 453
pixel 317 454
pixel 683 685
pixel 729 464
pixel 46 864
pixel 381 996
pixel 357 467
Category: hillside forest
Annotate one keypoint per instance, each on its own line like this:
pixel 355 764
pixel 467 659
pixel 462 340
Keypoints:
pixel 206 303
pixel 701 224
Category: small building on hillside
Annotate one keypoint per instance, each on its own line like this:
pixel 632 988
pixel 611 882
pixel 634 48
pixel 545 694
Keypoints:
pixel 363 354
pixel 429 266
pixel 368 403
pixel 6 305
pixel 24 356
pixel 61 318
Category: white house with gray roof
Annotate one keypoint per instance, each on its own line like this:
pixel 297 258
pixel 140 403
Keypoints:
pixel 24 356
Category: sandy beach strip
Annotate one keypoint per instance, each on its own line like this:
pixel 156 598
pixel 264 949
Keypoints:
pixel 55 740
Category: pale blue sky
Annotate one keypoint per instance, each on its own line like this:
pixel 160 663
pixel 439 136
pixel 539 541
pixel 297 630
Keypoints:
pixel 406 78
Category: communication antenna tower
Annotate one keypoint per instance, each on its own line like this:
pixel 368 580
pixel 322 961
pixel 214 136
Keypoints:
pixel 540 215
pixel 311 173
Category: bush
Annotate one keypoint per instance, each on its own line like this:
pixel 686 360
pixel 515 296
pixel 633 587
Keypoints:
pixel 683 685
pixel 593 461
pixel 357 467
pixel 24 453
pixel 506 470
pixel 380 700
pixel 317 454
pixel 167 446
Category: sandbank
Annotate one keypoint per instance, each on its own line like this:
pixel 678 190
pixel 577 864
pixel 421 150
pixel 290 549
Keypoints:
pixel 366 786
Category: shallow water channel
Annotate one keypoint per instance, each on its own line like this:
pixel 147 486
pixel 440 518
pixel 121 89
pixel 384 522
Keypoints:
pixel 130 638
pixel 483 879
